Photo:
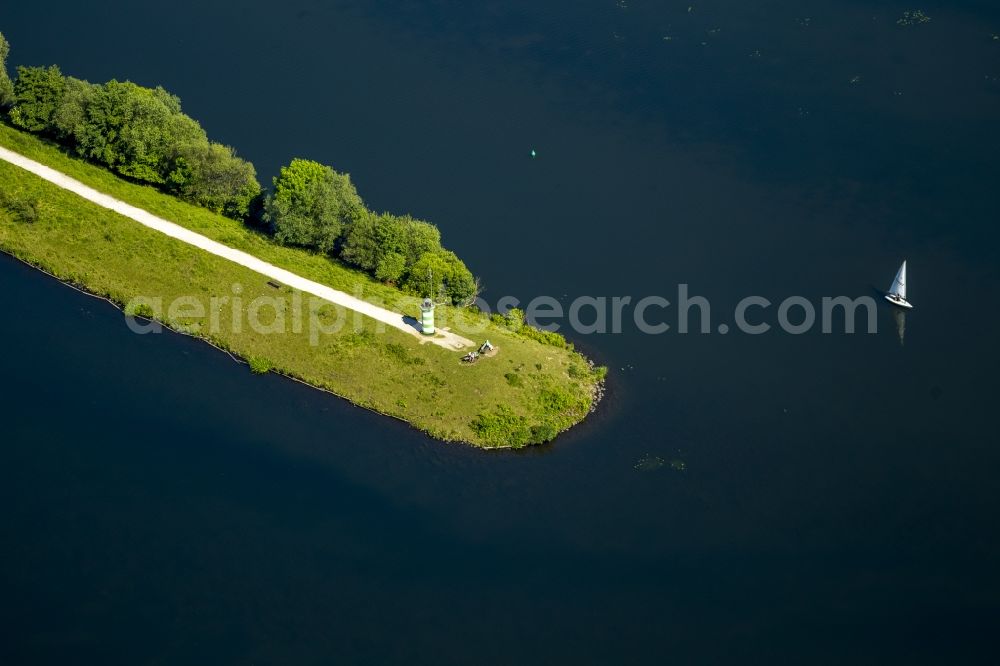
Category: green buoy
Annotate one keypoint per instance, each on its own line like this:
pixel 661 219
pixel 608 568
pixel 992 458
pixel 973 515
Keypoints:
pixel 533 154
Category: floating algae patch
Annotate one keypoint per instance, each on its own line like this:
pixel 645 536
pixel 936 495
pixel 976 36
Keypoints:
pixel 913 17
pixel 649 463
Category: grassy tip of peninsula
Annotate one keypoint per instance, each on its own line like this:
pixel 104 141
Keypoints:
pixel 534 388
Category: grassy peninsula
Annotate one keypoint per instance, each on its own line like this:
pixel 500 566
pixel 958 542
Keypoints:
pixel 526 394
pixel 135 144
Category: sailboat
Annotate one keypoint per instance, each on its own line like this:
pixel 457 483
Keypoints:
pixel 897 292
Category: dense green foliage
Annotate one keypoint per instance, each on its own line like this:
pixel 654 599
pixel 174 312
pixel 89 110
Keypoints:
pixel 513 320
pixel 389 244
pixel 137 132
pixel 141 133
pixel 311 205
pixel 6 87
pixel 441 274
pixel 503 427
pixel 69 118
pixel 545 337
pixel 37 93
pixel 134 130
pixel 210 175
pixel 315 207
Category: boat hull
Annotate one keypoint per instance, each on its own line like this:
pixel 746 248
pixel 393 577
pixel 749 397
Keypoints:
pixel 902 303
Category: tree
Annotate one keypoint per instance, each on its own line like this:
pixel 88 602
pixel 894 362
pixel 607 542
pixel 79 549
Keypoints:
pixel 441 274
pixel 312 205
pixel 6 86
pixel 371 238
pixel 420 238
pixel 70 116
pixel 138 132
pixel 38 92
pixel 426 277
pixel 391 267
pixel 211 175
pixel 514 319
pixel 375 236
pixel 135 130
pixel 460 285
pixel 361 246
pixel 383 243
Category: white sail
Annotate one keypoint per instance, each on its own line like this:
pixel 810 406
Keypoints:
pixel 898 287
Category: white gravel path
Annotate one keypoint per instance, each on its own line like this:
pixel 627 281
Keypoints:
pixel 395 319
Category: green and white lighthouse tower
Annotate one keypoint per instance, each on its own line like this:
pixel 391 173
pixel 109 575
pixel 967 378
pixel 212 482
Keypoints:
pixel 427 317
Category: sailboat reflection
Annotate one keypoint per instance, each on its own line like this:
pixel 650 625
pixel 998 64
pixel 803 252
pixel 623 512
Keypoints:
pixel 899 315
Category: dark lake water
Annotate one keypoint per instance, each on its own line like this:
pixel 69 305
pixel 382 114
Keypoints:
pixel 839 503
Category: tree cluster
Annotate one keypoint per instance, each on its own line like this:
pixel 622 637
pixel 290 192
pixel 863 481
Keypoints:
pixel 315 207
pixel 137 132
pixel 6 86
pixel 141 133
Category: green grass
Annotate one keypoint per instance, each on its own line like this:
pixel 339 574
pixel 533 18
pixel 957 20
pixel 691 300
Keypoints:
pixel 387 371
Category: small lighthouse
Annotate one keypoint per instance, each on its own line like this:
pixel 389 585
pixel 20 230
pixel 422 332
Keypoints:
pixel 427 317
